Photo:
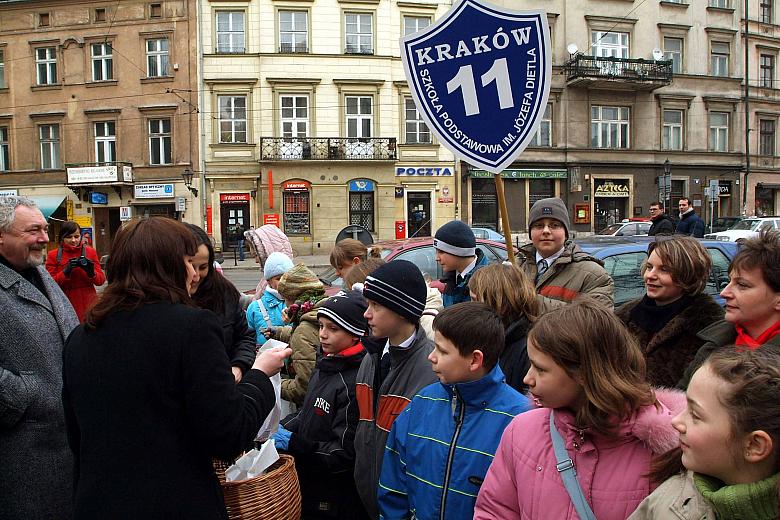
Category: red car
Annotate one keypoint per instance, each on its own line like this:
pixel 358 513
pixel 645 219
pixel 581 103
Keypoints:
pixel 420 251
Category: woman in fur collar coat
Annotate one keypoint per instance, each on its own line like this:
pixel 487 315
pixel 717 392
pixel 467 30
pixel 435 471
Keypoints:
pixel 665 321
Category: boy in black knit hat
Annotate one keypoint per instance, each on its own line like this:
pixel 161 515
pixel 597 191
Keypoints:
pixel 395 369
pixel 457 253
pixel 321 435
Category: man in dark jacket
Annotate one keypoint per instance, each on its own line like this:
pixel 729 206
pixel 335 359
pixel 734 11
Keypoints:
pixel 690 223
pixel 662 223
pixel 37 476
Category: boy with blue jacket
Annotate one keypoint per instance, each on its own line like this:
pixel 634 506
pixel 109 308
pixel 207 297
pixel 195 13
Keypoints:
pixel 441 445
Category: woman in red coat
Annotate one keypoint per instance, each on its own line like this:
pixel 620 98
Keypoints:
pixel 76 268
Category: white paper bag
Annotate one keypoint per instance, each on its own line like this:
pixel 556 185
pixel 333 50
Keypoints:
pixel 254 463
pixel 271 423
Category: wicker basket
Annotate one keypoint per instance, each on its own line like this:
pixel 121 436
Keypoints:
pixel 274 495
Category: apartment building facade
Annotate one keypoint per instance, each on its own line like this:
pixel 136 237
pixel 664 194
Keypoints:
pixel 97 111
pixel 310 125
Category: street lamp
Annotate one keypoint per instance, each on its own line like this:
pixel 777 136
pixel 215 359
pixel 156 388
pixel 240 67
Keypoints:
pixel 668 184
pixel 187 176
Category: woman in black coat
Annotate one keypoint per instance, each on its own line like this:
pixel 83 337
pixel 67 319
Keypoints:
pixel 148 393
pixel 215 293
pixel 666 320
pixel 508 290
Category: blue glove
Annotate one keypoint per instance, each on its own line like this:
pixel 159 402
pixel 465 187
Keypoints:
pixel 282 438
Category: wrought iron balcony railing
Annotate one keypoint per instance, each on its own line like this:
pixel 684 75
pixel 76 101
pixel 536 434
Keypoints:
pixel 639 70
pixel 328 149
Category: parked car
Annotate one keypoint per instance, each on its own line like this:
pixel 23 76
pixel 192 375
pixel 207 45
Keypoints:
pixel 420 251
pixel 627 228
pixel 723 224
pixel 746 228
pixel 488 234
pixel 623 259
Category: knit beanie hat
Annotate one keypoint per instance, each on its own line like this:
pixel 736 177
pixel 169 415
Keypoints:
pixel 298 280
pixel 456 238
pixel 346 310
pixel 398 285
pixel 277 263
pixel 549 208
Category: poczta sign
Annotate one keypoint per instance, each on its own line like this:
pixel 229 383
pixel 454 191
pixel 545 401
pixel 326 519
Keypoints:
pixel 480 78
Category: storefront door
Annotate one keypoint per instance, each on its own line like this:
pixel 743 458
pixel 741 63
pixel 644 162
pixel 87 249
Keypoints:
pixel 418 210
pixel 610 201
pixel 484 203
pixel 233 216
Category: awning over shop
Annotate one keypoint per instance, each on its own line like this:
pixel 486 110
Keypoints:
pixel 48 204
pixel 769 185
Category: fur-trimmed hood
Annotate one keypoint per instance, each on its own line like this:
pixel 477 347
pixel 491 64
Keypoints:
pixel 654 426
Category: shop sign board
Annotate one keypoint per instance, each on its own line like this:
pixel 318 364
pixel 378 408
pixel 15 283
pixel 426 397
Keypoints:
pixel 107 173
pixel 97 197
pixel 154 191
pixel 83 221
pixel 125 213
pixel 272 219
pixel 233 198
pixel 612 189
pixel 9 193
pixel 362 185
pixel 181 203
pixel 423 171
pixel 480 78
pixel 522 173
pixel 295 186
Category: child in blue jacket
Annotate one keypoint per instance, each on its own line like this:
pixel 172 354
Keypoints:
pixel 441 445
pixel 266 312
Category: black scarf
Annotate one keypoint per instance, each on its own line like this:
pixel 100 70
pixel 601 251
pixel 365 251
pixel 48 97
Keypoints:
pixel 651 317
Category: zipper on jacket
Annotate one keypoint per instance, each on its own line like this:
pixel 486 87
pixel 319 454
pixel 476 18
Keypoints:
pixel 451 454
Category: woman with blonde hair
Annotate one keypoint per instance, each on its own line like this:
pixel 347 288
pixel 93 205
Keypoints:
pixel 508 290
pixel 346 254
pixel 665 321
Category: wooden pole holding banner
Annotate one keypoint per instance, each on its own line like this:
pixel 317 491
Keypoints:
pixel 510 250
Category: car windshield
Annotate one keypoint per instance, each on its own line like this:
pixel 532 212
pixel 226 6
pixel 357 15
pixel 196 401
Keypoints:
pixel 747 225
pixel 610 230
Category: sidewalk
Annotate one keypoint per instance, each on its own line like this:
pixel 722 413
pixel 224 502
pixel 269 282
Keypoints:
pixel 311 261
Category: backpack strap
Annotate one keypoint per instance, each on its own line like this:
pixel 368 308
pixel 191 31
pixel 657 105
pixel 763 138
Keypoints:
pixel 568 474
pixel 59 254
pixel 264 312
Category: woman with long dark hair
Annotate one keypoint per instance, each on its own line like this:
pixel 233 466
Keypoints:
pixel 217 294
pixel 147 390
pixel 75 267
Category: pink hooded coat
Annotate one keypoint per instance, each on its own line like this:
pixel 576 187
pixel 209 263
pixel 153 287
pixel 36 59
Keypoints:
pixel 524 483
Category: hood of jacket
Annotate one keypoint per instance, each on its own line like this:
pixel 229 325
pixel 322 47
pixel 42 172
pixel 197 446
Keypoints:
pixel 433 299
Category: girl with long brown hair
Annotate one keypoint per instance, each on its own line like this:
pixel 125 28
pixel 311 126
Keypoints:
pixel 588 377
pixel 728 463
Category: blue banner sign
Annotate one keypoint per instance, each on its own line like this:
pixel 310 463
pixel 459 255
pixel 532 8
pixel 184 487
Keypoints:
pixel 480 77
pixel 362 185
pixel 97 197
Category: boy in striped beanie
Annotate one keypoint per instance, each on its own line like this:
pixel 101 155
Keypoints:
pixel 395 369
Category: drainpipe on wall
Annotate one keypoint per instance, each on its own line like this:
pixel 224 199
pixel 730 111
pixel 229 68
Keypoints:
pixel 747 110
pixel 202 123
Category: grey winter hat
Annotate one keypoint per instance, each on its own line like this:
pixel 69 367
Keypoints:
pixel 456 238
pixel 549 208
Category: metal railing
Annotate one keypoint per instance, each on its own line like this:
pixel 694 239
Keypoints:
pixel 629 69
pixel 328 148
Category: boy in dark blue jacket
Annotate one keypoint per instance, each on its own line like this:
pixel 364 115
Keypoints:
pixel 441 445
pixel 321 436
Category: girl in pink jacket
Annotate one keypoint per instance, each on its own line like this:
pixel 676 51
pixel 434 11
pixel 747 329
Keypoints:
pixel 590 374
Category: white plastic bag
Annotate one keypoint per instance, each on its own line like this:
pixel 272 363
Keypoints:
pixel 271 423
pixel 254 463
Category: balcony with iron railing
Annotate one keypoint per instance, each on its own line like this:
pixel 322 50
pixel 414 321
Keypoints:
pixel 618 73
pixel 328 149
pixel 293 48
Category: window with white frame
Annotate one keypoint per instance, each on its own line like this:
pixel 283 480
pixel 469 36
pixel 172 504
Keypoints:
pixel 359 33
pixel 5 150
pixel 46 65
pixel 609 127
pixel 49 137
pixel 417 132
pixel 360 115
pixel 294 116
pixel 610 44
pixel 232 119
pixel 766 70
pixel 719 59
pixel 719 131
pixel 723 4
pixel 2 69
pixel 293 31
pixel 543 135
pixel 673 50
pixel 157 57
pixel 672 138
pixel 102 62
pixel 766 145
pixel 765 11
pixel 160 141
pixel 412 24
pixel 230 32
pixel 105 141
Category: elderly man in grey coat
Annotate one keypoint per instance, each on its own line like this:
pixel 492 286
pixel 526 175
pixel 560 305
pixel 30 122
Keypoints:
pixel 36 479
